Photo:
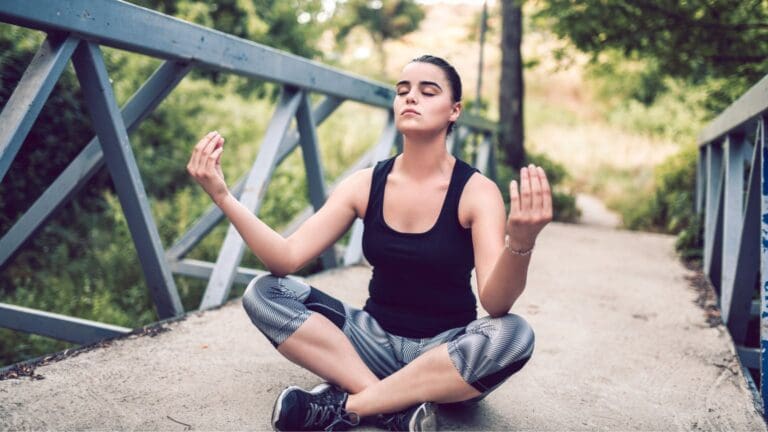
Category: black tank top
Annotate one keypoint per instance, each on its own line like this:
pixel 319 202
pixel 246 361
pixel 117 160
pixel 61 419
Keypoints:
pixel 420 284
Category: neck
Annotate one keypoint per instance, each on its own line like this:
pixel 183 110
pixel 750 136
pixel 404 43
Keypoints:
pixel 424 157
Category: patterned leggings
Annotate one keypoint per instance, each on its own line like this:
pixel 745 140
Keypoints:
pixel 486 352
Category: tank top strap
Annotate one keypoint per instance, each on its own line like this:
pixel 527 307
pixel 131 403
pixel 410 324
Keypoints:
pixel 461 174
pixel 378 182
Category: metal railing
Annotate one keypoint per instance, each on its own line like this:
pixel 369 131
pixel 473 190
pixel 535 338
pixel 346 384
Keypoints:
pixel 732 192
pixel 75 30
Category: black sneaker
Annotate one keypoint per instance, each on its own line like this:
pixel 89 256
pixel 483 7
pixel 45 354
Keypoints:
pixel 320 408
pixel 420 417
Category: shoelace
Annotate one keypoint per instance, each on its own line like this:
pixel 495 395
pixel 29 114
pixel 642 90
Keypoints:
pixel 320 414
pixel 395 421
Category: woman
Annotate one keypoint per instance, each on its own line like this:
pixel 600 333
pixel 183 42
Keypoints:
pixel 429 219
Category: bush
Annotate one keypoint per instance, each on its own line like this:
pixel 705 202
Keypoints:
pixel 670 209
pixel 563 202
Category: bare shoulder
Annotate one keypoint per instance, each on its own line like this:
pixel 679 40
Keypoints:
pixel 480 195
pixel 354 190
pixel 481 188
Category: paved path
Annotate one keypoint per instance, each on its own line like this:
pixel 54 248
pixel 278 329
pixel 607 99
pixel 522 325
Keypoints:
pixel 621 345
pixel 594 212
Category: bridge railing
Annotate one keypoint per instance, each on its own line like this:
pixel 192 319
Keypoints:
pixel 75 31
pixel 732 192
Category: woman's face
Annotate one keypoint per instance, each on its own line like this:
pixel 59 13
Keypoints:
pixel 423 102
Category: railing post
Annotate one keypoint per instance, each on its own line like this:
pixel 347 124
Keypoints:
pixel 714 180
pixel 701 179
pixel 109 126
pixel 310 151
pixel 733 187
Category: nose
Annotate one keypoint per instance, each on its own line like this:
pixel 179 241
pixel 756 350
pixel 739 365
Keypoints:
pixel 410 98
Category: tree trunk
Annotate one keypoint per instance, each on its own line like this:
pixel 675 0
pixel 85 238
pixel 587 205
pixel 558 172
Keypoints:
pixel 511 88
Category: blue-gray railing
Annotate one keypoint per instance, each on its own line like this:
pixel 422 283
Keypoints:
pixel 732 192
pixel 75 30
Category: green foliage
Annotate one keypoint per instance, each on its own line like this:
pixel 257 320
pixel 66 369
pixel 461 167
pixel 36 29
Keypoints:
pixel 383 20
pixel 82 262
pixel 563 202
pixel 665 68
pixel 670 208
pixel 635 96
pixel 694 40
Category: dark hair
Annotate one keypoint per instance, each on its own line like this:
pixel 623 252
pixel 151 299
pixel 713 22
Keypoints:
pixel 450 73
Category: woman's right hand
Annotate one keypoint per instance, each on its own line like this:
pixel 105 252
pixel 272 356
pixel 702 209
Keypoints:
pixel 205 166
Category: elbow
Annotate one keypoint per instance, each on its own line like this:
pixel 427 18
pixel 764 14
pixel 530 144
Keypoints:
pixel 283 264
pixel 281 269
pixel 496 309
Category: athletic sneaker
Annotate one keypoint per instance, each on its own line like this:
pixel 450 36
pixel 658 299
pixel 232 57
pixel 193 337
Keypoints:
pixel 320 408
pixel 420 417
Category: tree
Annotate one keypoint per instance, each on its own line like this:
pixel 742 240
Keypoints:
pixel 511 88
pixel 695 40
pixel 384 20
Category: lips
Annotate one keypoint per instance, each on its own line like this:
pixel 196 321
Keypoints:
pixel 410 111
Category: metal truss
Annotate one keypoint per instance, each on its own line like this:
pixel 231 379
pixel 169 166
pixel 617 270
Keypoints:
pixel 732 192
pixel 183 46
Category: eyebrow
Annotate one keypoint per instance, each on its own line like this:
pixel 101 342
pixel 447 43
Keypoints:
pixel 432 83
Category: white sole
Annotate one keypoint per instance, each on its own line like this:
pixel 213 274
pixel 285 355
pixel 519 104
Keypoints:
pixel 425 418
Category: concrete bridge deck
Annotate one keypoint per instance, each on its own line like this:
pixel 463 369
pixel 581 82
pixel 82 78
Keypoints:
pixel 621 345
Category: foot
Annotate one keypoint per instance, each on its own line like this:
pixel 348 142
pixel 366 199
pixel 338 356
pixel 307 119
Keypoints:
pixel 320 408
pixel 420 417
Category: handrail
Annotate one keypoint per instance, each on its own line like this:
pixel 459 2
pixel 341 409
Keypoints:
pixel 133 28
pixel 76 29
pixel 736 221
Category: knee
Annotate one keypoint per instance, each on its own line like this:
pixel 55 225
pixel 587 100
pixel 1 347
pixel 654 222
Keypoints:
pixel 516 334
pixel 257 298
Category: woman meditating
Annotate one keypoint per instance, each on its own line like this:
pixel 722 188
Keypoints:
pixel 429 218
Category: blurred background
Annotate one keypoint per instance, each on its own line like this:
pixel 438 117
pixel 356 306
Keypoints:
pixel 608 95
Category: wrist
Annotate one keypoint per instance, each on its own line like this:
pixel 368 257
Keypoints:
pixel 516 247
pixel 221 199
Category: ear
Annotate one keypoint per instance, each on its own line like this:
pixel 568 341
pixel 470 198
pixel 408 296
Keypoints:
pixel 455 112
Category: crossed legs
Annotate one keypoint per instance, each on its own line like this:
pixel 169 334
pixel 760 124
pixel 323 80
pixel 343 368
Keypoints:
pixel 320 347
pixel 280 308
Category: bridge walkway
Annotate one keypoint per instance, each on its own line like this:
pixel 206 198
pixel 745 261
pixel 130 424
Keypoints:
pixel 621 345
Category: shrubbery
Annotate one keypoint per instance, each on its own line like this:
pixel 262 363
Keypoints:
pixel 670 208
pixel 563 202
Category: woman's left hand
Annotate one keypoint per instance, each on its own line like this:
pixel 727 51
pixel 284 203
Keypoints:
pixel 530 207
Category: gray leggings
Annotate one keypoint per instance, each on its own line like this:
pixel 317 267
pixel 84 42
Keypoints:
pixel 486 352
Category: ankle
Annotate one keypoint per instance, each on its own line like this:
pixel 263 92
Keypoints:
pixel 354 405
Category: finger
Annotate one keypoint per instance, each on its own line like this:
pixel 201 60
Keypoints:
pixel 525 190
pixel 213 160
pixel 546 191
pixel 203 141
pixel 206 149
pixel 220 145
pixel 536 199
pixel 194 159
pixel 514 198
pixel 212 153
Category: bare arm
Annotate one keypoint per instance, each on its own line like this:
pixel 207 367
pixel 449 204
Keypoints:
pixel 280 255
pixel 501 274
